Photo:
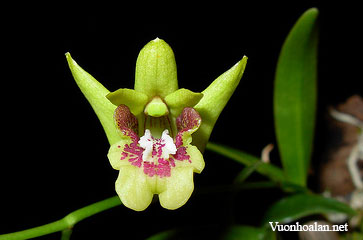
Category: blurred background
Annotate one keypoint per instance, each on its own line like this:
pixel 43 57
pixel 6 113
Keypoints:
pixel 54 158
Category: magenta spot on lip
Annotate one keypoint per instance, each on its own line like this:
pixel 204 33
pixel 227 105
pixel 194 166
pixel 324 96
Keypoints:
pixel 181 154
pixel 124 155
pixel 179 139
pixel 134 153
pixel 162 169
pixel 128 125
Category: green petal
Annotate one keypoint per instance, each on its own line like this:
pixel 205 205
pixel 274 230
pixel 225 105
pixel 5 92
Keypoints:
pixel 95 93
pixel 133 188
pixel 180 99
pixel 179 187
pixel 136 101
pixel 215 98
pixel 156 70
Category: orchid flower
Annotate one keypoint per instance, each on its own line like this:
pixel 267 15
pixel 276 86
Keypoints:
pixel 157 131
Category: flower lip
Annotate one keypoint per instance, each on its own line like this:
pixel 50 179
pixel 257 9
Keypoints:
pixel 155 154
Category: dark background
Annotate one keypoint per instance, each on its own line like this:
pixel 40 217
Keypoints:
pixel 54 149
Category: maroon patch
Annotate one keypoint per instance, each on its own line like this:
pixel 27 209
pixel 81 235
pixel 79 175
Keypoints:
pixel 125 120
pixel 188 119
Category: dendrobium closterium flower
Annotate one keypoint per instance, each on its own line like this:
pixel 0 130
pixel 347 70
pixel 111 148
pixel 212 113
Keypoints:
pixel 157 131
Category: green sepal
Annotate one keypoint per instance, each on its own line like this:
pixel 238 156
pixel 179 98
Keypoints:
pixel 180 99
pixel 215 99
pixel 156 73
pixel 135 100
pixel 95 93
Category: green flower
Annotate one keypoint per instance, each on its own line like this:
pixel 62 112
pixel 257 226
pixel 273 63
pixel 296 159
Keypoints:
pixel 150 127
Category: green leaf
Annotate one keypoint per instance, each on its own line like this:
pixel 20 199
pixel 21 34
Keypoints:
pixel 163 235
pixel 267 169
pixel 235 232
pixel 301 205
pixel 95 93
pixel 238 232
pixel 215 98
pixel 295 97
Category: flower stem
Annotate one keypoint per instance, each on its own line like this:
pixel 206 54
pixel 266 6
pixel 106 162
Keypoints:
pixel 65 224
pixel 66 234
pixel 269 170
